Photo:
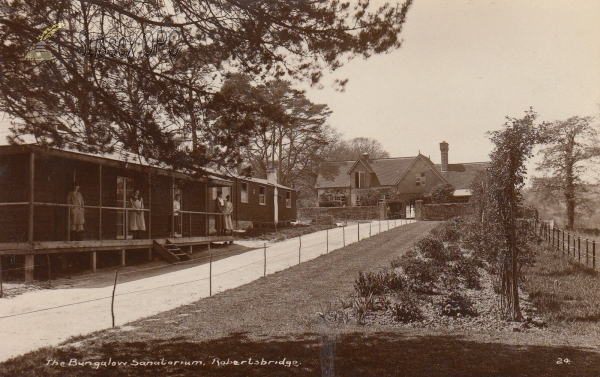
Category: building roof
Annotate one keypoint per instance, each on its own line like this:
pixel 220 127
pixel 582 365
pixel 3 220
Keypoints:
pixel 334 174
pixel 389 171
pixel 460 176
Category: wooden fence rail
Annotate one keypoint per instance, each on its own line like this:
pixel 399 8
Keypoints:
pixel 579 249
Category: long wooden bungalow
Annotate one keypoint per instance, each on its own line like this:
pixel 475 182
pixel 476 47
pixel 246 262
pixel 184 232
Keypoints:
pixel 34 220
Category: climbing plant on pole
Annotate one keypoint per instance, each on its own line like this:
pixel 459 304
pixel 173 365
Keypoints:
pixel 513 146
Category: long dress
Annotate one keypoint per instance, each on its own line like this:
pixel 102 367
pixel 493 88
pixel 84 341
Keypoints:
pixel 228 211
pixel 136 218
pixel 77 212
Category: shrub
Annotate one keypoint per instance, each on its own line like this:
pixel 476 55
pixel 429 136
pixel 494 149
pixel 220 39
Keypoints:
pixel 453 252
pixel 378 282
pixel 456 304
pixel 396 262
pixel 431 248
pixel 467 269
pixel 424 275
pixel 448 231
pixel 361 306
pixel 369 283
pixel 406 309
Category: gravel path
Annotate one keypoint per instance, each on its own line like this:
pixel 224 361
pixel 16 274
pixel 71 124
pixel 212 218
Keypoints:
pixel 28 323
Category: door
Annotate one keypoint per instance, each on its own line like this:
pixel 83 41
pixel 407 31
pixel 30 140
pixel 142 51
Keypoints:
pixel 124 192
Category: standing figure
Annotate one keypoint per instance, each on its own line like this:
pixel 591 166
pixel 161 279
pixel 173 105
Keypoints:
pixel 228 211
pixel 220 205
pixel 136 216
pixel 76 213
pixel 176 217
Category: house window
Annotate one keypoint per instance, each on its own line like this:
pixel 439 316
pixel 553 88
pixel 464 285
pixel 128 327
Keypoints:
pixel 421 179
pixel 124 192
pixel 288 199
pixel 359 179
pixel 262 195
pixel 339 198
pixel 244 196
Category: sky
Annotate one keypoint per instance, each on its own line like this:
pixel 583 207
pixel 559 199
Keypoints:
pixel 464 66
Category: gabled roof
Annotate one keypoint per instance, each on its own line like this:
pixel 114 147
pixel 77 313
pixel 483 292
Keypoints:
pixel 334 174
pixel 390 171
pixel 365 163
pixel 427 161
pixel 460 176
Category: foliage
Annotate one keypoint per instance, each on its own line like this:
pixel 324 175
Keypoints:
pixel 570 145
pixel 378 282
pixel 355 148
pixel 369 197
pixel 434 249
pixel 496 199
pixel 149 97
pixel 442 193
pixel 448 231
pixel 406 309
pixel 456 304
pixel 424 276
pixel 467 269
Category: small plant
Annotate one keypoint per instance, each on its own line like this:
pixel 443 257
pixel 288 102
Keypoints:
pixel 382 303
pixel 456 304
pixel 424 276
pixel 467 269
pixel 406 309
pixel 362 305
pixel 435 250
pixel 448 231
pixel 396 262
pixel 369 283
pixel 378 282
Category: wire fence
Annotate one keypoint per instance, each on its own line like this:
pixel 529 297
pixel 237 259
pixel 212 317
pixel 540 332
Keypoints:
pixel 581 250
pixel 330 242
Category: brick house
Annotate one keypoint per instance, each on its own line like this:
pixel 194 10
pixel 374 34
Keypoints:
pixel 399 181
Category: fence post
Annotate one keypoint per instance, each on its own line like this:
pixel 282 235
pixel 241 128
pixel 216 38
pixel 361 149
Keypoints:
pixel 344 234
pixel 49 269
pixel 300 249
pixel 594 255
pixel 265 269
pixel 388 224
pixel 1 293
pixel 579 249
pixel 369 228
pixel 112 303
pixel 327 233
pixel 210 277
pixel 379 226
pixel 358 229
pixel 569 244
pixel 587 252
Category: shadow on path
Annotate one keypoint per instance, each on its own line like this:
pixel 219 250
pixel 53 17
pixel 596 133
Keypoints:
pixel 379 354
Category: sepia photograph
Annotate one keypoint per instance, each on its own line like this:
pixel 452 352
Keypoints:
pixel 300 188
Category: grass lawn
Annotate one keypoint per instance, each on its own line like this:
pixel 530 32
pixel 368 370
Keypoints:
pixel 566 293
pixel 276 317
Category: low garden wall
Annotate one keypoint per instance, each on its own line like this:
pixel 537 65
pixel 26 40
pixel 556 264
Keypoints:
pixel 338 213
pixel 439 212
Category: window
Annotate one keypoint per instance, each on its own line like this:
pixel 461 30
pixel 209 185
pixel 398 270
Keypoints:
pixel 124 192
pixel 262 195
pixel 421 179
pixel 288 199
pixel 359 179
pixel 244 196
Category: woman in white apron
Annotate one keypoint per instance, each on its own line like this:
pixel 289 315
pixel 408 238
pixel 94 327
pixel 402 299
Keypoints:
pixel 76 213
pixel 136 216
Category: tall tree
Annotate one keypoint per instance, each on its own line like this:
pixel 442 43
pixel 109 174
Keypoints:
pixel 573 145
pixel 351 149
pixel 497 196
pixel 135 75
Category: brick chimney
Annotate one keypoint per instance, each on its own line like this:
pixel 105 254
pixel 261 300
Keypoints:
pixel 272 175
pixel 444 149
pixel 365 157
